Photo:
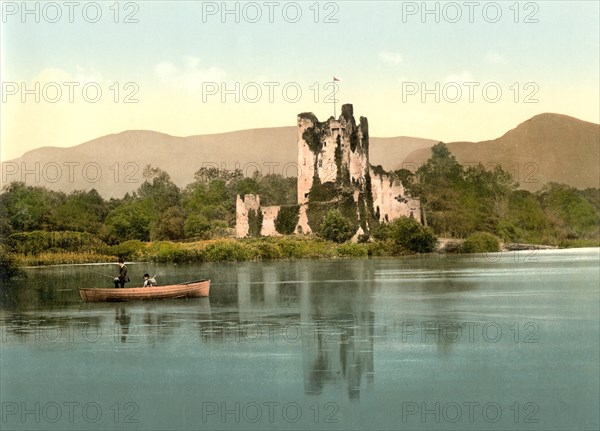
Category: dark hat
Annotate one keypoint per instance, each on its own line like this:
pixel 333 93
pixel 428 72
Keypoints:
pixel 121 261
pixel 147 275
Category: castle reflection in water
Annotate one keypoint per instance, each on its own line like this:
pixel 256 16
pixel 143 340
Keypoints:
pixel 336 324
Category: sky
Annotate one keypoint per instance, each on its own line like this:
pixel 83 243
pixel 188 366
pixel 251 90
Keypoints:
pixel 76 71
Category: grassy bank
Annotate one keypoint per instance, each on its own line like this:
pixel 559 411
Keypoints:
pixel 230 250
pixel 61 258
pixel 288 247
pixel 579 243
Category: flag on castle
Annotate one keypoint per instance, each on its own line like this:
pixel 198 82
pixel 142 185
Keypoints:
pixel 335 78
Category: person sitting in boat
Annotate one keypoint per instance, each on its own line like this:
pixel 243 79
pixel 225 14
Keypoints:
pixel 122 278
pixel 149 281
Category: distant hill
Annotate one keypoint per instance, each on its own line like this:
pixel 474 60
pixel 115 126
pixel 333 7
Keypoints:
pixel 113 164
pixel 547 147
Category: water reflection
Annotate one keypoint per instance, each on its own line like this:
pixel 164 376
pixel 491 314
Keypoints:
pixel 122 321
pixel 313 332
pixel 333 320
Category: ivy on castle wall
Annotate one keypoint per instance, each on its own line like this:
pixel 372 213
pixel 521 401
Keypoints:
pixel 364 130
pixel 255 221
pixel 343 202
pixel 342 174
pixel 309 116
pixel 369 198
pixel 287 219
pixel 322 192
pixel 313 136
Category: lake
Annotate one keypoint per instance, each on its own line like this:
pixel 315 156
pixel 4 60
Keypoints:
pixel 500 341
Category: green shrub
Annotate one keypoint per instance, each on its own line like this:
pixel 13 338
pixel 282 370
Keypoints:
pixel 292 247
pixel 228 251
pixel 127 250
pixel 507 231
pixel 353 250
pixel 196 225
pixel 336 227
pixel 267 249
pixel 166 251
pixel 8 265
pixel 481 242
pixel 412 236
pixel 386 247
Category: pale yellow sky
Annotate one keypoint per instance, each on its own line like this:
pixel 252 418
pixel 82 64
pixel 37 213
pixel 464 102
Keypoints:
pixel 174 71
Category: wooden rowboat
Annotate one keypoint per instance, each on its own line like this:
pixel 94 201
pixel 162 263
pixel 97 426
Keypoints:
pixel 194 289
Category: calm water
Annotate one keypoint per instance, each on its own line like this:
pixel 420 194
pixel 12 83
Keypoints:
pixel 484 342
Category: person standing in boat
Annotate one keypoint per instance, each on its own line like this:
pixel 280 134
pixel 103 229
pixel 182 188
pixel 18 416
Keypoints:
pixel 122 278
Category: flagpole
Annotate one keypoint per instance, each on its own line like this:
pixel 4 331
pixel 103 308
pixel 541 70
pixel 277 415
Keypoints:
pixel 334 94
pixel 334 117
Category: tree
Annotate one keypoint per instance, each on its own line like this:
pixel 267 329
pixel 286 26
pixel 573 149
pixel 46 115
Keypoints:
pixel 287 219
pixel 82 211
pixel 170 225
pixel 439 181
pixel 335 227
pixel 409 181
pixel 207 175
pixel 571 213
pixel 457 201
pixel 159 188
pixel 196 225
pixel 275 189
pixel 525 219
pixel 128 221
pixel 209 202
pixel 27 208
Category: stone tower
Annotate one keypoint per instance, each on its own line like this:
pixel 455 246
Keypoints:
pixel 334 172
pixel 335 151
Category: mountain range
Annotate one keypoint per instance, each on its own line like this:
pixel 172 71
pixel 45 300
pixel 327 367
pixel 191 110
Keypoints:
pixel 547 147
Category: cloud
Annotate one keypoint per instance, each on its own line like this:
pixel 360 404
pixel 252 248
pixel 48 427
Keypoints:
pixel 189 76
pixel 392 58
pixel 80 75
pixel 495 58
pixel 463 76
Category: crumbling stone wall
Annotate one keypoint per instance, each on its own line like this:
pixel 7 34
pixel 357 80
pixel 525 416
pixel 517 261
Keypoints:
pixel 334 168
pixel 242 208
pixel 303 226
pixel 269 216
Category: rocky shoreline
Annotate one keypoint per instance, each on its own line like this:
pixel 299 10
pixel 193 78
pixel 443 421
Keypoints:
pixel 453 245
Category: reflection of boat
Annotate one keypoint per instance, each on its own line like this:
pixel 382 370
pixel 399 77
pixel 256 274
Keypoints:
pixel 193 289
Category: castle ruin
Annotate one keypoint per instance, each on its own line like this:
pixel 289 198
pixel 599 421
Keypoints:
pixel 333 172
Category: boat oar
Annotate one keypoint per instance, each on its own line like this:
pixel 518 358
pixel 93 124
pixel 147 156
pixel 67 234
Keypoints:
pixel 192 282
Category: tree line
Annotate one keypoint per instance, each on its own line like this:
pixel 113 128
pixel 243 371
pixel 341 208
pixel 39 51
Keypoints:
pixel 459 201
pixel 157 210
pixel 456 201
